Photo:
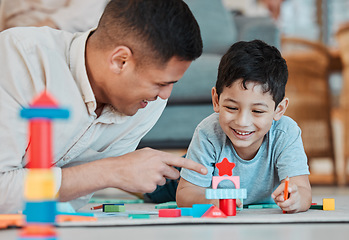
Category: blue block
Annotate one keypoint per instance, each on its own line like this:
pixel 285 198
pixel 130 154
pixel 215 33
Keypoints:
pixel 186 211
pixel 40 212
pixel 40 112
pixel 199 209
pixel 226 193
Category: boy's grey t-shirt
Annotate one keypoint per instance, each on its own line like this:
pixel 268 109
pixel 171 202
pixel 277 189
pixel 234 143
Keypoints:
pixel 280 155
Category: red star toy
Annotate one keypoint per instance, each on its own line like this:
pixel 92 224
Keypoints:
pixel 225 167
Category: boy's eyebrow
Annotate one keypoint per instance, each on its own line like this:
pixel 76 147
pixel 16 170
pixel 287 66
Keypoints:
pixel 261 104
pixel 254 104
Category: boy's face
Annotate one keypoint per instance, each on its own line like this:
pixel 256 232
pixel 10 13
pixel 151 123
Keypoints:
pixel 246 115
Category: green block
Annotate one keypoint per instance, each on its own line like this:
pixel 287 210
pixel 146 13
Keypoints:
pixel 260 206
pixel 167 205
pixel 139 216
pixel 113 208
pixel 257 206
pixel 317 207
pixel 116 201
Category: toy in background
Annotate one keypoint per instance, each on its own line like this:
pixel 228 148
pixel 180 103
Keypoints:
pixel 40 193
pixel 227 196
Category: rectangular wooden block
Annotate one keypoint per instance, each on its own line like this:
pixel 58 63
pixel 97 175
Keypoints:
pixel 328 204
pixel 169 213
pixel 40 185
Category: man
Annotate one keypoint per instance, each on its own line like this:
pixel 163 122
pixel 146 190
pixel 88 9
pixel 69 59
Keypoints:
pixel 115 80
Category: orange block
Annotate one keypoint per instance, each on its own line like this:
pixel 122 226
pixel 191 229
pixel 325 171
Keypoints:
pixel 74 218
pixel 38 230
pixel 9 220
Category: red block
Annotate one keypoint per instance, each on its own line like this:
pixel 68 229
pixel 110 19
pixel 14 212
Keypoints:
pixel 40 146
pixel 214 212
pixel 228 206
pixel 169 212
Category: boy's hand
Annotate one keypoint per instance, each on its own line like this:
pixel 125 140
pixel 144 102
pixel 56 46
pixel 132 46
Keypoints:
pixel 293 201
pixel 299 195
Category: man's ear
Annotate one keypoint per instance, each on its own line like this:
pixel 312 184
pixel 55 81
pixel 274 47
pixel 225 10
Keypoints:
pixel 215 100
pixel 281 109
pixel 120 58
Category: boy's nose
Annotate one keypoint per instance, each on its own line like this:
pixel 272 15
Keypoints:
pixel 243 119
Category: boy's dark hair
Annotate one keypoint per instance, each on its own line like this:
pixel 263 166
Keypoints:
pixel 257 62
pixel 155 29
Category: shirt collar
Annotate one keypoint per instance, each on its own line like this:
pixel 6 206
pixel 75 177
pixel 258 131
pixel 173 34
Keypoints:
pixel 78 69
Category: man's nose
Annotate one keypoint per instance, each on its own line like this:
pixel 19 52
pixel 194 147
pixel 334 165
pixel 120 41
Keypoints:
pixel 165 91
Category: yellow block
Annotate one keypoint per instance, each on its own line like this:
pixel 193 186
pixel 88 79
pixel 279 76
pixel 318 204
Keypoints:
pixel 39 185
pixel 328 204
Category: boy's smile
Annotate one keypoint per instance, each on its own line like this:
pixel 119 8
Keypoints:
pixel 246 115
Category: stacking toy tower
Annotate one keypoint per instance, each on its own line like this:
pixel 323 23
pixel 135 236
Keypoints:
pixel 39 188
pixel 227 197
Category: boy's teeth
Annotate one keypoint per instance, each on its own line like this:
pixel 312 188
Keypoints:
pixel 242 133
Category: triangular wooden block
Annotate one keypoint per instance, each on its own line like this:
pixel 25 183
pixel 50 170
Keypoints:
pixel 44 100
pixel 214 212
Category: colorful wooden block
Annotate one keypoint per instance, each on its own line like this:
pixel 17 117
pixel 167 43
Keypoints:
pixel 217 179
pixel 40 212
pixel 75 218
pixel 167 205
pixel 328 204
pixel 38 232
pixel 320 207
pixel 113 207
pixel 169 213
pixel 226 193
pixel 225 167
pixel 228 206
pixel 186 211
pixel 199 209
pixel 10 220
pixel 40 185
pixel 214 212
pixel 139 216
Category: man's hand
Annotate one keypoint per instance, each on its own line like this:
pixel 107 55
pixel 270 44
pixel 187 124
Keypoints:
pixel 146 168
pixel 138 171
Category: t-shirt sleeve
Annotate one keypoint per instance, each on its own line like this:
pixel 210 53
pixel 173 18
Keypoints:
pixel 291 159
pixel 201 150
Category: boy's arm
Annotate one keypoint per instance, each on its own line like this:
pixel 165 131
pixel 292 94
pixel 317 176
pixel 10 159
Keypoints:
pixel 299 195
pixel 189 194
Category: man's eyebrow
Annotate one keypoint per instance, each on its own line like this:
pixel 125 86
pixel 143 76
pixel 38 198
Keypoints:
pixel 169 83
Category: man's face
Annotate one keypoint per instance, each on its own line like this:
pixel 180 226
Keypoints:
pixel 245 116
pixel 132 89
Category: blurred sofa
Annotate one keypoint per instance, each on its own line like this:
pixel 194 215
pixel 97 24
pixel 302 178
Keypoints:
pixel 190 101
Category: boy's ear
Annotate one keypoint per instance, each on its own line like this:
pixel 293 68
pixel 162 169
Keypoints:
pixel 215 100
pixel 281 109
pixel 120 58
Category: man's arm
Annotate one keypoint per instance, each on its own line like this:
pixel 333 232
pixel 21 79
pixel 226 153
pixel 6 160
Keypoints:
pixel 138 171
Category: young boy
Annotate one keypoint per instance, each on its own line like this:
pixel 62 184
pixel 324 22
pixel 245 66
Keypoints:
pixel 249 129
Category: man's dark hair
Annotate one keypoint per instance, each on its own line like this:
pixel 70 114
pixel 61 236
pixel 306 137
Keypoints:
pixel 155 29
pixel 254 61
